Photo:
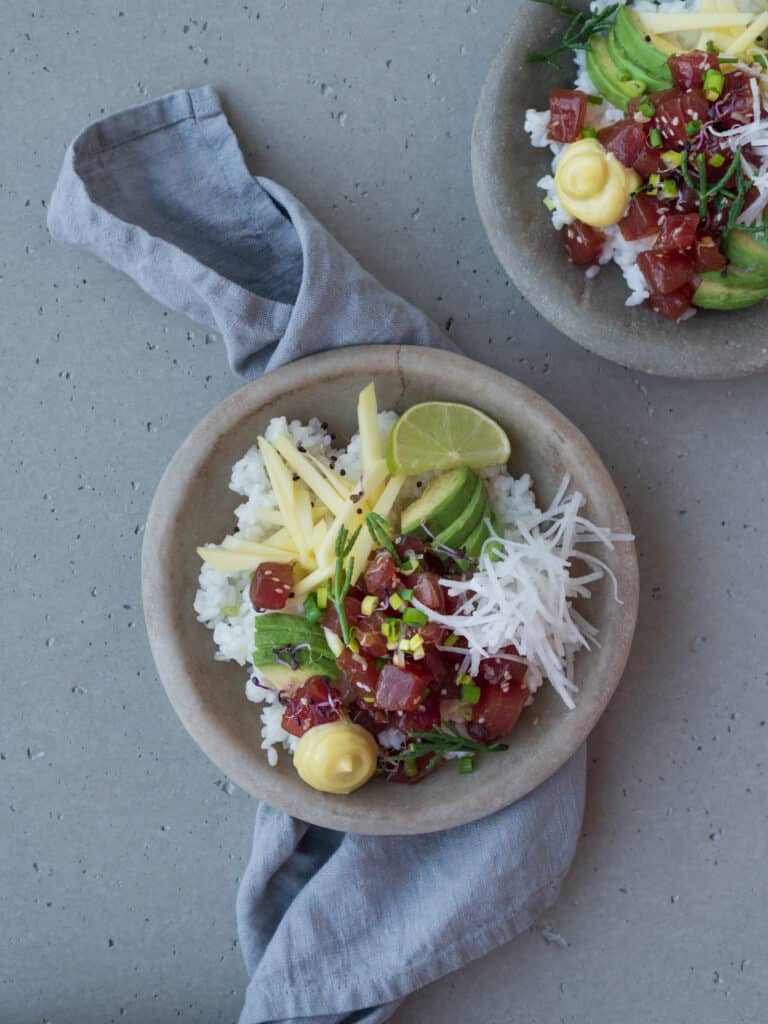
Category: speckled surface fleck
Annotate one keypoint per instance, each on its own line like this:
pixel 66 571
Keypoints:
pixel 121 845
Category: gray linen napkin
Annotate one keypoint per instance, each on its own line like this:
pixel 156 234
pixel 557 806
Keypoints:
pixel 333 927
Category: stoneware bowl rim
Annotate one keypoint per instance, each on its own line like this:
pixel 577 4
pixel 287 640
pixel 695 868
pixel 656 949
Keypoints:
pixel 505 167
pixel 170 618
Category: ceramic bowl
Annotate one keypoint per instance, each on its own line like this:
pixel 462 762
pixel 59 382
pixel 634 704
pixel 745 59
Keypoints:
pixel 505 169
pixel 193 505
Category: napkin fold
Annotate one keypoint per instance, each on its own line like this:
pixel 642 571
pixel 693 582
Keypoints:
pixel 333 927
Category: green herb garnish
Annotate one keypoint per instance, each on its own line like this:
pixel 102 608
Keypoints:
pixel 582 25
pixel 439 742
pixel 381 534
pixel 342 577
pixel 588 133
pixel 230 610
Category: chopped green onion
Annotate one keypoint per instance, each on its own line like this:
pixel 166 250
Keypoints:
pixel 716 160
pixel 624 76
pixel 669 188
pixel 462 679
pixel 407 595
pixel 450 640
pixel 414 617
pixel 758 58
pixel 311 612
pixel 731 60
pixel 411 768
pixel 419 654
pixel 596 100
pixel 396 602
pixel 713 84
pixel 322 597
pixel 549 203
pixel 470 694
pixel 380 663
pixel 230 610
pixel 353 645
pixel 692 128
pixel 655 138
pixel 466 765
pixel 369 604
pixel 368 700
pixel 671 159
pixel 711 48
pixel 655 180
pixel 647 109
pixel 398 659
pixel 588 133
pixel 410 565
pixel 405 645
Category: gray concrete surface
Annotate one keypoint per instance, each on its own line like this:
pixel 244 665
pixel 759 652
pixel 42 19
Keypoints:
pixel 120 845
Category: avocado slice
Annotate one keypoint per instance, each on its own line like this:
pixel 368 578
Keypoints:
pixel 646 50
pixel 624 62
pixel 443 501
pixel 746 250
pixel 280 630
pixel 604 73
pixel 730 291
pixel 476 539
pixel 455 535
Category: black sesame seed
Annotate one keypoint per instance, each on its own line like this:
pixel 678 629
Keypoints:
pixel 647 39
pixel 342 472
pixel 296 476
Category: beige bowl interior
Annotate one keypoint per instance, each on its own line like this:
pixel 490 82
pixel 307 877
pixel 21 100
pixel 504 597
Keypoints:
pixel 193 505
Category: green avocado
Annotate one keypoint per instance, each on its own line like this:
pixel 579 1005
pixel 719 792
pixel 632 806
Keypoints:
pixel 606 76
pixel 443 501
pixel 279 637
pixel 455 535
pixel 624 62
pixel 748 251
pixel 731 290
pixel 476 539
pixel 646 51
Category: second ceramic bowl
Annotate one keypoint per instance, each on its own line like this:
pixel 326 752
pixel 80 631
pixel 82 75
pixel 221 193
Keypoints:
pixel 505 169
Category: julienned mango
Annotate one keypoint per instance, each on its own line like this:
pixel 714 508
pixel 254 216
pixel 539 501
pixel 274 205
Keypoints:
pixel 592 185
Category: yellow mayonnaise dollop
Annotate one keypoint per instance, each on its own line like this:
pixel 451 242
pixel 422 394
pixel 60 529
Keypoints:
pixel 337 757
pixel 592 185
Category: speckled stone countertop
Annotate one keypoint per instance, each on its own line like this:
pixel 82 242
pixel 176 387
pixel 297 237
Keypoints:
pixel 121 844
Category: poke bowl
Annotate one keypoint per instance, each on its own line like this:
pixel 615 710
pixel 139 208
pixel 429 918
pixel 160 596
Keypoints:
pixel 243 660
pixel 705 166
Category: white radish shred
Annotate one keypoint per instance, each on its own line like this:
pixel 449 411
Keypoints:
pixel 522 593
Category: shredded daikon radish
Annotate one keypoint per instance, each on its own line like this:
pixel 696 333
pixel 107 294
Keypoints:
pixel 523 591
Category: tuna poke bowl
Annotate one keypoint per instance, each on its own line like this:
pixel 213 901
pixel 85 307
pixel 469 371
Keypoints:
pixel 397 595
pixel 650 121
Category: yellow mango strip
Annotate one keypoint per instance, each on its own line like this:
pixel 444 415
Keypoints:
pixel 304 514
pixel 319 533
pixel 747 38
pixel 364 543
pixel 315 579
pixel 691 21
pixel 349 517
pixel 315 480
pixel 368 425
pixel 229 561
pixel 282 485
pixel 281 539
pixel 374 480
pixel 333 478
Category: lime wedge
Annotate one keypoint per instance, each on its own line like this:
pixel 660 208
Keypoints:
pixel 445 435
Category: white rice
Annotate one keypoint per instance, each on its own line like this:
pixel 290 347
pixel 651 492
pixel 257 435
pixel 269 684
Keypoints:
pixel 219 594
